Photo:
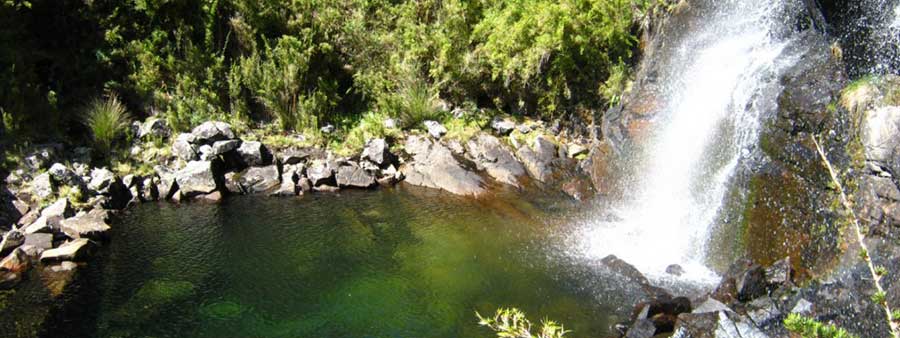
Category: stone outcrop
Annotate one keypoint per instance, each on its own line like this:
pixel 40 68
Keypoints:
pixel 197 178
pixel 260 180
pixel 489 153
pixel 434 166
pixel 92 225
pixel 538 158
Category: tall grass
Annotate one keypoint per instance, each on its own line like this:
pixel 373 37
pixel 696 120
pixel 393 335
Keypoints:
pixel 108 121
pixel 415 102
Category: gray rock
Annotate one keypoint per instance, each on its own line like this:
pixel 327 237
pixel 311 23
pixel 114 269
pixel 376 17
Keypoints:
pixel 642 328
pixel 76 250
pixel 168 185
pixel 881 134
pixel 709 304
pixel 720 324
pixel 11 240
pixel 780 274
pixel 751 283
pixel 378 152
pixel 254 153
pixel 327 129
pixel 538 159
pixel 320 173
pixel 803 307
pixel 390 123
pixel 150 191
pixel 39 240
pixel 487 152
pixel 184 147
pixel 42 225
pixel 153 127
pixel 524 128
pixel 93 225
pixel 222 147
pixel 233 184
pixel 42 186
pixel 290 174
pixel 41 157
pixel 212 131
pixel 61 208
pixel 575 150
pixel 101 180
pixel 675 270
pixel 434 166
pixel 389 176
pixel 257 180
pixel 197 178
pixel 60 172
pixel 435 129
pixel 206 153
pixel 352 176
pixel 294 156
pixel 763 312
pixel 503 126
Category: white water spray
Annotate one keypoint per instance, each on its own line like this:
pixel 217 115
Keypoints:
pixel 715 84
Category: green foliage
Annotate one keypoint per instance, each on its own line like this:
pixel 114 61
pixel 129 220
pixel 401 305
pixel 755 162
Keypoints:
pixel 879 297
pixel 810 328
pixel 511 323
pixel 108 122
pixel 305 63
pixel 371 126
pixel 880 271
pixel 895 316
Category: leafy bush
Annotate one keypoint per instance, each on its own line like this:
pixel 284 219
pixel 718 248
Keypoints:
pixel 511 323
pixel 108 122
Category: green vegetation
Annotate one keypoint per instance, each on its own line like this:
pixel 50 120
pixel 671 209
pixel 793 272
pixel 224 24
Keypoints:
pixel 810 328
pixel 108 122
pixel 511 323
pixel 302 64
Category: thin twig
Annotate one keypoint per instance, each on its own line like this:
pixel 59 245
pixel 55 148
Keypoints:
pixel 895 331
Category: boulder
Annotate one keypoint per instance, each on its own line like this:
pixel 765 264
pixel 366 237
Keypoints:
pixel 434 166
pixel 721 324
pixel 575 150
pixel 168 184
pixel 435 129
pixel 352 176
pixel 389 176
pixel 76 250
pixel 93 225
pixel 41 241
pixel 320 173
pixel 538 159
pixel 11 240
pixel 290 174
pixel 150 191
pixel 779 274
pixel 212 131
pixel 763 312
pixel 62 174
pixel 642 328
pixel 254 154
pixel 751 283
pixel 709 304
pixel 101 180
pixel 184 147
pixel 17 261
pixel 488 152
pixel 42 186
pixel 213 197
pixel 206 153
pixel 153 127
pixel 43 224
pixel 222 147
pixel 60 208
pixel 327 129
pixel 233 183
pixel 41 157
pixel 503 126
pixel 197 178
pixel 675 270
pixel 256 180
pixel 294 156
pixel 378 152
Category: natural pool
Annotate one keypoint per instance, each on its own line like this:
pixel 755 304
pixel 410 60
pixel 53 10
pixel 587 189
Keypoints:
pixel 403 262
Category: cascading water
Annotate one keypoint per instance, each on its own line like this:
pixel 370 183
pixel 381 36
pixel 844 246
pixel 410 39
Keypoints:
pixel 869 32
pixel 715 83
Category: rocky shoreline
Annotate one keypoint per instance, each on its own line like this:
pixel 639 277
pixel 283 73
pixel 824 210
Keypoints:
pixel 56 214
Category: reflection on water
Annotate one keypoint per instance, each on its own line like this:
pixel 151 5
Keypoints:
pixel 395 263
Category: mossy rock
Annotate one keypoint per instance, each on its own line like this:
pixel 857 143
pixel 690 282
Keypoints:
pixel 223 310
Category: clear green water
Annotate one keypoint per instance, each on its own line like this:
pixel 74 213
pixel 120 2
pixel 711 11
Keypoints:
pixel 389 263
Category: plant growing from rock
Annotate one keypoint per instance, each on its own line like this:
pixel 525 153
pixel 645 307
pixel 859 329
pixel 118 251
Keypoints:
pixel 511 323
pixel 876 273
pixel 811 328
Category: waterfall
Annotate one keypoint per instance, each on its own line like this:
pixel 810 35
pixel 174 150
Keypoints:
pixel 869 32
pixel 716 80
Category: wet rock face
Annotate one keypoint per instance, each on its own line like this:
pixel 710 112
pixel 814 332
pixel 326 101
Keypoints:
pixel 809 87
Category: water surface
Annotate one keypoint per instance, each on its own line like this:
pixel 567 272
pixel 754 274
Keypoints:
pixel 391 263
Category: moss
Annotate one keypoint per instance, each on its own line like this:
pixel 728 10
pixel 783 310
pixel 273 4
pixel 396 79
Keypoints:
pixel 810 328
pixel 223 310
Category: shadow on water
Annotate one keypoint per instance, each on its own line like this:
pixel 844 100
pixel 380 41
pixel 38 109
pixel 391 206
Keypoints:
pixel 402 262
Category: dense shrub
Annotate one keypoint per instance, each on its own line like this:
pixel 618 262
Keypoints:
pixel 304 63
pixel 108 121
